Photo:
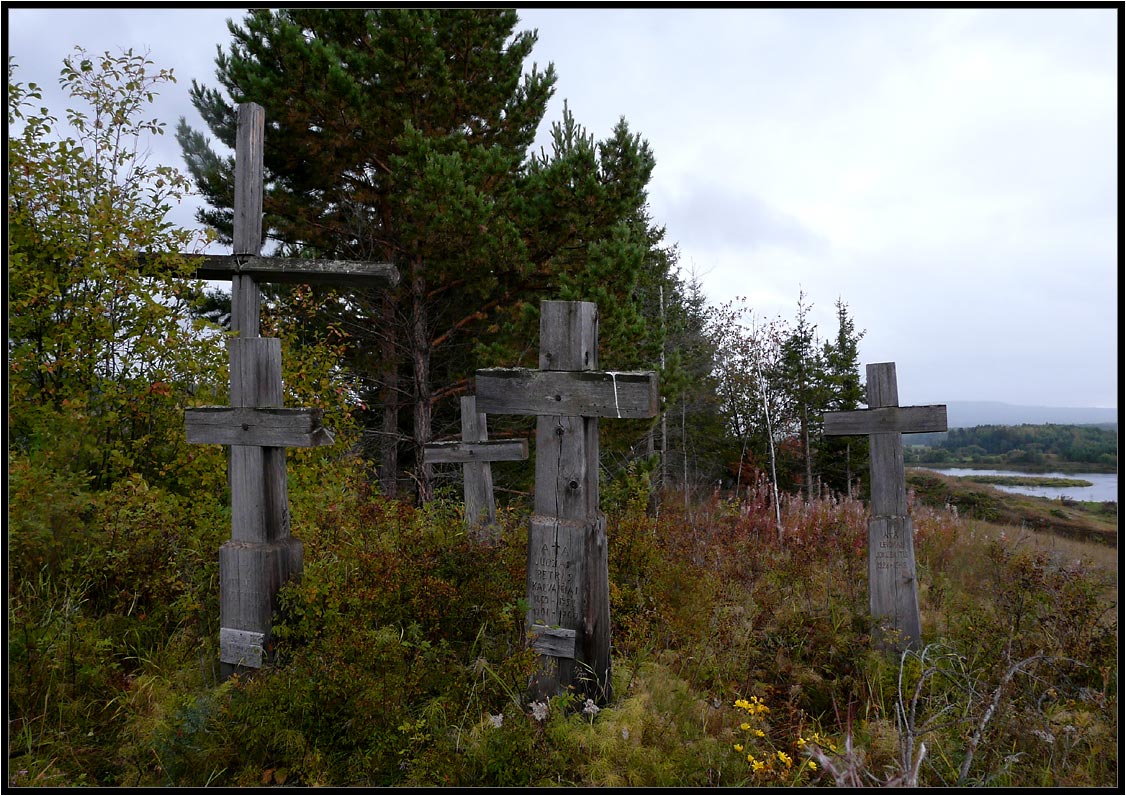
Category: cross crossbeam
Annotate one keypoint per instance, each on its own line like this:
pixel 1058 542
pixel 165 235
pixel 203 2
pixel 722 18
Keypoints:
pixel 611 394
pixel 292 270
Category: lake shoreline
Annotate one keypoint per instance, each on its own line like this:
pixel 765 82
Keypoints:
pixel 1093 521
pixel 1048 467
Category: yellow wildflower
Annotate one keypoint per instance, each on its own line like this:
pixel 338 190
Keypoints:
pixel 744 726
pixel 785 758
pixel 738 747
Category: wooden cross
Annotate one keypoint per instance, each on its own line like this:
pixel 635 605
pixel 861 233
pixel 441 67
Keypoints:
pixel 568 574
pixel 261 554
pixel 892 590
pixel 475 451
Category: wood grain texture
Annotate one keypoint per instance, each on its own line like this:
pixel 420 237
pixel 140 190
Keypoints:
pixel 249 158
pixel 250 575
pixel 513 450
pixel 886 420
pixel 558 642
pixel 293 270
pixel 260 427
pixel 892 587
pixel 568 335
pixel 520 391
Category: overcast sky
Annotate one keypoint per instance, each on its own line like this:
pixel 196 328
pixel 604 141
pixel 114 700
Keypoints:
pixel 951 174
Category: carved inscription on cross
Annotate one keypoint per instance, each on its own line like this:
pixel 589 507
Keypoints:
pixel 892 590
pixel 261 554
pixel 476 451
pixel 568 576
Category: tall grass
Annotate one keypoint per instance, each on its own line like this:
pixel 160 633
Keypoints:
pixel 741 656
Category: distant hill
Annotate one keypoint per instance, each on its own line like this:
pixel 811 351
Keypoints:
pixel 966 414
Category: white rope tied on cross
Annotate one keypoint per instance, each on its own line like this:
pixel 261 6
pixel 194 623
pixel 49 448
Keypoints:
pixel 614 379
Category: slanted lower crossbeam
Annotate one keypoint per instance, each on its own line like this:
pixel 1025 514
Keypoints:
pixel 261 554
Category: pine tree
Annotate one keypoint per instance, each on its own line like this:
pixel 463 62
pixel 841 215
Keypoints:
pixel 403 136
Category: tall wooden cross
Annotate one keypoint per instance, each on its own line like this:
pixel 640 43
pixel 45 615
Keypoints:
pixel 893 594
pixel 475 451
pixel 568 572
pixel 261 554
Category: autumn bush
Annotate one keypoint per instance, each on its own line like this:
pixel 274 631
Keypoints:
pixel 399 657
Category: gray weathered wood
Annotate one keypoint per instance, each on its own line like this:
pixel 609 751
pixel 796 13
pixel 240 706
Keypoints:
pixel 260 427
pixel 887 420
pixel 892 589
pixel 261 555
pixel 251 573
pixel 509 450
pixel 246 298
pixel 520 391
pixel 242 647
pixel 568 572
pixel 558 642
pixel 249 169
pixel 476 452
pixel 293 270
pixel 259 486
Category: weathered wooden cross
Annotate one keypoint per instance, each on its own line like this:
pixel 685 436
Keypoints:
pixel 892 590
pixel 261 554
pixel 475 451
pixel 568 576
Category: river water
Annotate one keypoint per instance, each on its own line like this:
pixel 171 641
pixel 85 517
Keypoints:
pixel 1104 485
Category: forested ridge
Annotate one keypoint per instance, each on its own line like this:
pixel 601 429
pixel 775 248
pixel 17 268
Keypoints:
pixel 742 639
pixel 1023 444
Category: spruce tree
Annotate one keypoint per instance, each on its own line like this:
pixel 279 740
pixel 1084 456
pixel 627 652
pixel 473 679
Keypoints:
pixel 843 460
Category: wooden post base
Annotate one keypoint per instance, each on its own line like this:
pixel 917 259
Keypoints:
pixel 250 575
pixel 893 594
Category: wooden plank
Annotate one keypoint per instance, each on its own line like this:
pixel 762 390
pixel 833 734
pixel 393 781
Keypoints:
pixel 249 169
pixel 520 391
pixel 262 427
pixel 477 476
pixel 246 298
pixel 242 647
pixel 250 575
pixel 475 452
pixel 885 420
pixel 892 590
pixel 256 371
pixel 596 608
pixel 259 484
pixel 568 335
pixel 558 642
pixel 293 270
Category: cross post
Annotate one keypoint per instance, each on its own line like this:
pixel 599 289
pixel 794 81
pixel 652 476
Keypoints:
pixel 568 570
pixel 475 452
pixel 261 555
pixel 893 595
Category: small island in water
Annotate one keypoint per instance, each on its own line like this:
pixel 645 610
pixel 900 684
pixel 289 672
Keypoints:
pixel 1027 480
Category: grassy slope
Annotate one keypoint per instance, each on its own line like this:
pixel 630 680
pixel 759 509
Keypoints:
pixel 1097 522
